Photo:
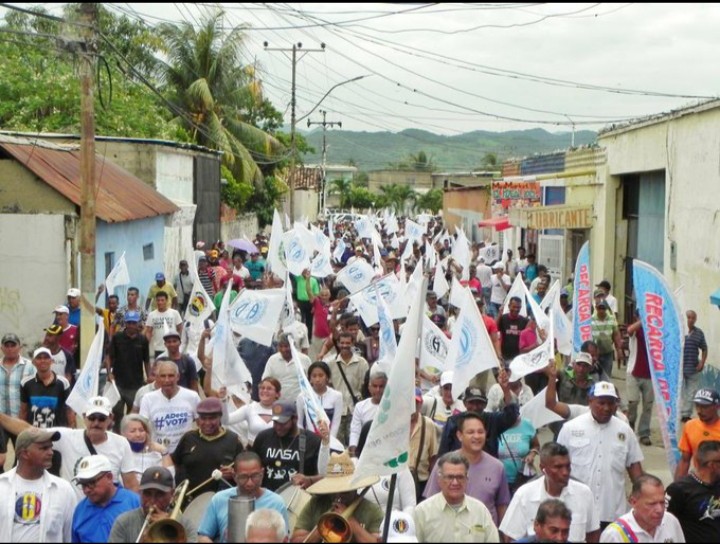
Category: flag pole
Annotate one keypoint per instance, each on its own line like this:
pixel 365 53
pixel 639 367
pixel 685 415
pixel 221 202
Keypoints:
pixel 389 507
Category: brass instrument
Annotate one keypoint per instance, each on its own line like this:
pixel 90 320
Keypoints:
pixel 169 529
pixel 334 527
pixel 145 524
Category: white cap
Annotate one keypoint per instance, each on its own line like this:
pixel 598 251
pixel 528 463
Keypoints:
pixel 62 309
pixel 583 357
pixel 402 528
pixel 91 466
pixel 98 405
pixel 446 377
pixel 603 389
pixel 38 351
pixel 73 292
pixel 498 266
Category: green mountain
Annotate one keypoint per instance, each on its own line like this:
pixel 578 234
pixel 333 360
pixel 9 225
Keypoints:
pixel 377 150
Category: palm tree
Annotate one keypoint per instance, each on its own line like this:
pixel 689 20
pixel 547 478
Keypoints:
pixel 343 188
pixel 213 93
pixel 398 196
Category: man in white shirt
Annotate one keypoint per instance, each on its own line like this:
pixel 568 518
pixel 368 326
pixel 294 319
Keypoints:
pixel 602 448
pixel 499 288
pixel 35 506
pixel 554 484
pixel 282 367
pixel 365 410
pixel 484 275
pixel 157 322
pixel 647 521
pixel 171 409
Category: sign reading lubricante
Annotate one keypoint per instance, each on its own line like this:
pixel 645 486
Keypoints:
pixel 516 190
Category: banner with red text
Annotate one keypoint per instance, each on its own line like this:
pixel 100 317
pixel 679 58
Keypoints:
pixel 582 299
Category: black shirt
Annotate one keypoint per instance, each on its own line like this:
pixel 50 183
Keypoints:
pixel 46 403
pixel 510 330
pixel 187 371
pixel 196 457
pixel 697 507
pixel 281 456
pixel 127 359
pixel 495 423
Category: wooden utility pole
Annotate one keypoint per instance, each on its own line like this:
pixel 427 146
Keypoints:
pixel 88 16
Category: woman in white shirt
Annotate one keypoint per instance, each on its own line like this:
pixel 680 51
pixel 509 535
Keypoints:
pixel 146 452
pixel 331 399
pixel 257 415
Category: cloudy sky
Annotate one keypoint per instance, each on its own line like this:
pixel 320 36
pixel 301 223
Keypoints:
pixel 455 67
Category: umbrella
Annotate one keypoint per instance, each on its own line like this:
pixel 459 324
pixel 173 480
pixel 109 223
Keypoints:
pixel 243 245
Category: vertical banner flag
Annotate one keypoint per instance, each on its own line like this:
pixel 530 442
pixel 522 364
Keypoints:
pixel 314 411
pixel 387 449
pixel 276 251
pixel 255 312
pixel 118 276
pixel 471 349
pixel 582 299
pixel 661 324
pixel 88 383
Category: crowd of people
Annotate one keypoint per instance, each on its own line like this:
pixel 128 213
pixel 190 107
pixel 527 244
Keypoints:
pixel 477 470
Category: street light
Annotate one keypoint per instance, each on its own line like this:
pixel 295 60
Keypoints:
pixel 327 93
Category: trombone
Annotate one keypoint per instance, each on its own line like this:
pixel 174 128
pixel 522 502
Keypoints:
pixel 334 527
pixel 168 529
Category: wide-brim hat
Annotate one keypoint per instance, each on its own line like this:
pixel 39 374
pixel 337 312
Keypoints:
pixel 339 477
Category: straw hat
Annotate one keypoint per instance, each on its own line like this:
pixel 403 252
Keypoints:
pixel 338 478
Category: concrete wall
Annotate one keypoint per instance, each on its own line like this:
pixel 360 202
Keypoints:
pixel 416 180
pixel 130 237
pixel 178 238
pixel 175 173
pixel 686 147
pixel 466 207
pixel 306 204
pixel 242 224
pixel 136 158
pixel 22 192
pixel 33 277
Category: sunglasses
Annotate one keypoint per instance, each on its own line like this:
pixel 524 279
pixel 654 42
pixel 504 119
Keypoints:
pixel 90 484
pixel 95 417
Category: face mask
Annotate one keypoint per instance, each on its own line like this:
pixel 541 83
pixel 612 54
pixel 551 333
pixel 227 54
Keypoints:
pixel 137 447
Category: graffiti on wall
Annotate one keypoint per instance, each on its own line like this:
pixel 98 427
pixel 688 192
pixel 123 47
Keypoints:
pixel 11 306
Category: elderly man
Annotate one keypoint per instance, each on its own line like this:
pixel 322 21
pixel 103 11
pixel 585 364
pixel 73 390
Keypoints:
pixel 335 492
pixel 486 479
pixel 647 521
pixel 29 485
pixel 602 448
pixel 248 472
pixel 705 427
pixel 265 525
pixel 452 515
pixel 521 517
pixel 552 523
pixel 157 489
pixel 95 515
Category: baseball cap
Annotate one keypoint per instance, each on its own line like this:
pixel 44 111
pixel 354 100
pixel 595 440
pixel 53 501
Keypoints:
pixel 11 337
pixel 264 250
pixel 706 397
pixel 402 528
pixel 157 478
pixel 599 293
pixel 583 357
pixel 159 276
pixel 605 284
pixel 418 394
pixel 40 351
pixel 33 435
pixel 132 316
pixel 474 393
pixel 98 405
pixel 73 292
pixel 498 266
pixel 53 329
pixel 91 466
pixel 282 411
pixel 602 304
pixel 603 389
pixel 210 405
pixel 446 378
pixel 564 292
pixel 431 294
pixel 62 309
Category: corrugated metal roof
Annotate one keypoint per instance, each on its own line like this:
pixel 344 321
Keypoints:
pixel 120 195
pixel 305 178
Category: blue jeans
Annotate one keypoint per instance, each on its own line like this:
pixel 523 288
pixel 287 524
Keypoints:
pixel 605 360
pixel 640 389
pixel 691 383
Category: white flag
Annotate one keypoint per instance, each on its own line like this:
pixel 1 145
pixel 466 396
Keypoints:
pixel 471 350
pixel 461 253
pixel 394 243
pixel 377 259
pixel 519 290
pixel 201 306
pixel 387 449
pixel 364 227
pixel 430 255
pixel 356 276
pixel 228 367
pixel 413 284
pixel 537 312
pixel 456 292
pixel 365 301
pixel 534 410
pixel 388 342
pixel 339 249
pixel 297 251
pixel 413 231
pixel 276 250
pixel 440 284
pixel 434 347
pixel 110 392
pixel 549 297
pixel 314 412
pixel 255 313
pixel 537 359
pixel 391 226
pixel 118 276
pixel 561 324
pixel 88 383
pixel 320 266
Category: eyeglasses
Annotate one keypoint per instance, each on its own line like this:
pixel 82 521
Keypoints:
pixel 243 478
pixel 95 417
pixel 460 478
pixel 90 484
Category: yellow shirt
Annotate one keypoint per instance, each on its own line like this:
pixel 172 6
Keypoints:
pixel 437 521
pixel 167 287
pixel 430 447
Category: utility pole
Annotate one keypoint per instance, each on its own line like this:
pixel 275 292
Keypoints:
pixel 325 124
pixel 88 49
pixel 293 147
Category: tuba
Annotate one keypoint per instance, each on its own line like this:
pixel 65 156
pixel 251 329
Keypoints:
pixel 168 529
pixel 334 527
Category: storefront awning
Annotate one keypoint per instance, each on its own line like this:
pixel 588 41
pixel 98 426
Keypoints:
pixel 498 223
pixel 715 298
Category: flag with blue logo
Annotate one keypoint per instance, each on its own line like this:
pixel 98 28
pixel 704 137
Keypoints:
pixel 255 313
pixel 356 276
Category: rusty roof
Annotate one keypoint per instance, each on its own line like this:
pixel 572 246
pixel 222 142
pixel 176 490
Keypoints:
pixel 304 177
pixel 120 195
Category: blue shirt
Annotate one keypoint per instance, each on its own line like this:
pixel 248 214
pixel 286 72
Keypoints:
pixel 92 523
pixel 74 316
pixel 215 521
pixel 518 439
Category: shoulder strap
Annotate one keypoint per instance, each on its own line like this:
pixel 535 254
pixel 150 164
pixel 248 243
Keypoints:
pixel 422 442
pixel 626 532
pixel 347 383
pixel 302 440
pixel 89 445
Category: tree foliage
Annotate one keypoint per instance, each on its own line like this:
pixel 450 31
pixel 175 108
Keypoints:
pixel 432 200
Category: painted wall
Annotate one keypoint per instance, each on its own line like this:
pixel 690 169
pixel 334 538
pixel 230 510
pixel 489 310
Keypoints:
pixel 33 277
pixel 466 207
pixel 22 192
pixel 686 148
pixel 130 237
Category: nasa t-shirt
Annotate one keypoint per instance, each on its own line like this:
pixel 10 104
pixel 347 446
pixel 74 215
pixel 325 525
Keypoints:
pixel 171 418
pixel 27 510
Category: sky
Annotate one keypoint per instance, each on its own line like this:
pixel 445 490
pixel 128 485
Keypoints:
pixel 452 68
